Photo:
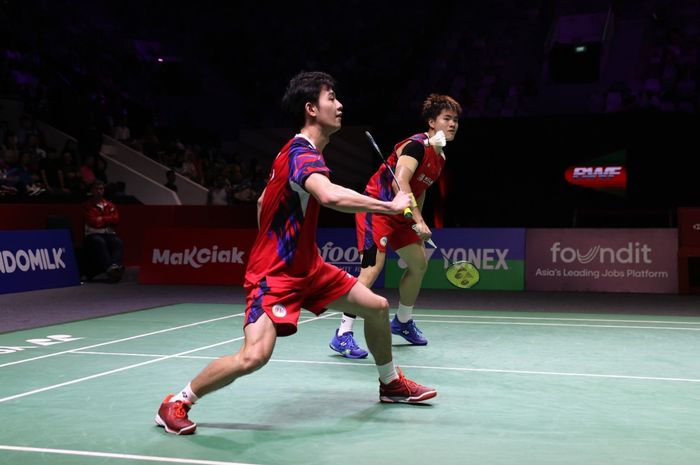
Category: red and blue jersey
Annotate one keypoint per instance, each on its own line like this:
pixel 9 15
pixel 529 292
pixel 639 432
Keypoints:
pixel 427 172
pixel 285 247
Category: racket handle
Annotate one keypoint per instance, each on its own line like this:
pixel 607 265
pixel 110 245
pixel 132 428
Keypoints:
pixel 407 213
pixel 429 241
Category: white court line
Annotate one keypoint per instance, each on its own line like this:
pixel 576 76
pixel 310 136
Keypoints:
pixel 668 328
pixel 148 362
pixel 120 340
pixel 485 370
pixel 147 458
pixel 558 319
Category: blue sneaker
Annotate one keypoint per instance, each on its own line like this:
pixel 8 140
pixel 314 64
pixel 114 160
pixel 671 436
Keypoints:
pixel 408 331
pixel 346 346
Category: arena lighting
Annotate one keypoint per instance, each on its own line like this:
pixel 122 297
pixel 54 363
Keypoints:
pixel 580 49
pixel 160 60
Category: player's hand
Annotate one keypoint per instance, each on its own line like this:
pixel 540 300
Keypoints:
pixel 401 201
pixel 422 230
pixel 438 140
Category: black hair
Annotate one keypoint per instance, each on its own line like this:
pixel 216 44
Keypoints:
pixel 303 88
pixel 435 103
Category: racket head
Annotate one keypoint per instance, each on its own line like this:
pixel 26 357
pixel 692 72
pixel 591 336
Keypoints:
pixel 462 274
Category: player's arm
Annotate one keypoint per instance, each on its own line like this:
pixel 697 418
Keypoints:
pixel 348 201
pixel 260 201
pixel 410 156
pixel 420 201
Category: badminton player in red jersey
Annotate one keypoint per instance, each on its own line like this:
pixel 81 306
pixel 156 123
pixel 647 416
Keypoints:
pixel 285 272
pixel 417 162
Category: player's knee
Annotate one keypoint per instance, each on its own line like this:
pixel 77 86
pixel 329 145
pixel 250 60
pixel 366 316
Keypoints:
pixel 382 307
pixel 254 360
pixel 419 267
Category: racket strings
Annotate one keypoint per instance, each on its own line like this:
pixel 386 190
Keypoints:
pixel 463 275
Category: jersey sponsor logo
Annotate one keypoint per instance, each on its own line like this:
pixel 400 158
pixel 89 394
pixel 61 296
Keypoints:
pixel 279 311
pixel 632 253
pixel 197 257
pixel 425 179
pixel 24 260
pixel 384 241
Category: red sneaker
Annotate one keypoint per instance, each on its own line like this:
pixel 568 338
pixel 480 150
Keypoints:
pixel 173 417
pixel 404 390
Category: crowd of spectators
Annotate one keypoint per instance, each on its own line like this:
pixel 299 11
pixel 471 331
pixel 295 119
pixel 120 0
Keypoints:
pixel 89 72
pixel 670 77
pixel 29 170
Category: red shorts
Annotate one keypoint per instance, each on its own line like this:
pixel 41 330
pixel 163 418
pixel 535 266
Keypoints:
pixel 382 230
pixel 282 297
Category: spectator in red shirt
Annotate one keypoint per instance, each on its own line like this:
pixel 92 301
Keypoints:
pixel 104 247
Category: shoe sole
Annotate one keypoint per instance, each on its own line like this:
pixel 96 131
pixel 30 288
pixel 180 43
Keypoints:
pixel 408 400
pixel 346 355
pixel 189 430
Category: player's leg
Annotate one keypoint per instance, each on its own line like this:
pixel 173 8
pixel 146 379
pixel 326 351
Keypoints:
pixel 259 342
pixel 257 349
pixel 409 288
pixel 343 340
pixel 393 386
pixel 374 309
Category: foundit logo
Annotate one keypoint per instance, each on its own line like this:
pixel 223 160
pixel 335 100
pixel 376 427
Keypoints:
pixel 634 252
pixel 31 260
pixel 339 255
pixel 197 257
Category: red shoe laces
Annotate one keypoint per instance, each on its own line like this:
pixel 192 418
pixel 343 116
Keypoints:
pixel 411 385
pixel 179 409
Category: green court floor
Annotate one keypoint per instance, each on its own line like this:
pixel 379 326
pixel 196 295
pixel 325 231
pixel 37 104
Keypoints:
pixel 513 388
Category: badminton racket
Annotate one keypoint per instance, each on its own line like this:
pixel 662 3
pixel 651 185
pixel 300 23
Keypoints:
pixel 407 211
pixel 461 274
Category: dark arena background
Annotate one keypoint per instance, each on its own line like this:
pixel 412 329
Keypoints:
pixel 571 185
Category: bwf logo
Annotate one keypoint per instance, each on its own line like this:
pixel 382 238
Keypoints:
pixel 593 172
pixel 632 253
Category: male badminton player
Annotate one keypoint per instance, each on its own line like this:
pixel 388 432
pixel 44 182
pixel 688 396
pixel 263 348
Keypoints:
pixel 417 162
pixel 285 271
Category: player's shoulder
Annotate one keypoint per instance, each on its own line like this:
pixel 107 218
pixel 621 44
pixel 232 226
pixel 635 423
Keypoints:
pixel 300 144
pixel 420 137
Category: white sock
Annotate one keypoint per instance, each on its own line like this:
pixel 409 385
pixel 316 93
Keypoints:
pixel 186 395
pixel 387 373
pixel 346 323
pixel 404 313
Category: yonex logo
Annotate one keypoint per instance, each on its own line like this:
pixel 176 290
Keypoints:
pixel 484 259
pixel 31 259
pixel 196 258
pixel 632 253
